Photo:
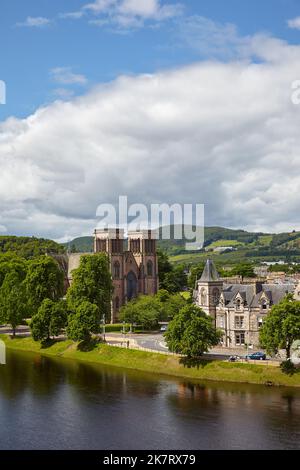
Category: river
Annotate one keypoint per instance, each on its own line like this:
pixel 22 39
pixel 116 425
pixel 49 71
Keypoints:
pixel 49 403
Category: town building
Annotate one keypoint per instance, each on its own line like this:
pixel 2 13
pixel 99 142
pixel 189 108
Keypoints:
pixel 238 309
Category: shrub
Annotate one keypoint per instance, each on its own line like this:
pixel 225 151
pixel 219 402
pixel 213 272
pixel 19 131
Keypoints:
pixel 288 367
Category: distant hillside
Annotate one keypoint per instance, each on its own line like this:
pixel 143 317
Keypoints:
pixel 29 247
pixel 249 246
pixel 80 245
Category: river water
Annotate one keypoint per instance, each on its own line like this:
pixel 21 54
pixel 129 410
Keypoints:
pixel 48 403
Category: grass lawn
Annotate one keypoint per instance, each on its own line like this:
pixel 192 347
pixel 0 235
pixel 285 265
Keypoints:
pixel 159 363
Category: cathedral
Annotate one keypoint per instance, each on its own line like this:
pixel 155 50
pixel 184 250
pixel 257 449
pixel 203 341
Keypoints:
pixel 133 267
pixel 133 264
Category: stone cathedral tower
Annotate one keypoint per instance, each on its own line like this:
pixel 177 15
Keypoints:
pixel 134 267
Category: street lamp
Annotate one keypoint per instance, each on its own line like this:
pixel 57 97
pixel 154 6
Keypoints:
pixel 103 327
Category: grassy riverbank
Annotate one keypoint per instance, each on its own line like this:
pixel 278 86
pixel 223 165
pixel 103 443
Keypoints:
pixel 158 363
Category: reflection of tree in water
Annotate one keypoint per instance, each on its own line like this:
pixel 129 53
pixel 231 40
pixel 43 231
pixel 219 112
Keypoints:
pixel 43 376
pixel 106 383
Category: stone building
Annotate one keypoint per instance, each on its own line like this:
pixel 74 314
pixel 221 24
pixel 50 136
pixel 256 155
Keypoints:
pixel 133 264
pixel 133 267
pixel 238 309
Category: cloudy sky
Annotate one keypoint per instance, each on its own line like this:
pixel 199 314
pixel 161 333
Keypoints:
pixel 163 101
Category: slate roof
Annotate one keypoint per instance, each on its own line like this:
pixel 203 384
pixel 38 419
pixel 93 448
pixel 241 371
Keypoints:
pixel 274 292
pixel 210 272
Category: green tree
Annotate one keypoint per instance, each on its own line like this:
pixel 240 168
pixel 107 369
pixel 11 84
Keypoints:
pixel 281 327
pixel 44 280
pixel 171 304
pixel 49 321
pixel 83 322
pixel 13 300
pixel 244 270
pixel 175 281
pixel 191 332
pixel 144 311
pixel 195 274
pixel 164 265
pixel 92 282
pixel 11 262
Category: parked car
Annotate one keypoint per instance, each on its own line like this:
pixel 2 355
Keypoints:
pixel 234 358
pixel 257 356
pixel 163 328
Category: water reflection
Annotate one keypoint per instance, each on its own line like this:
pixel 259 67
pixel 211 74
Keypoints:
pixel 59 404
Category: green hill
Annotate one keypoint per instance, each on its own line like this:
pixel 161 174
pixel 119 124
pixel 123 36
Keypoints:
pixel 29 247
pixel 247 246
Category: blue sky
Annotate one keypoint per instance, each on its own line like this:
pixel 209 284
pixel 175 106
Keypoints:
pixel 164 101
pixel 101 53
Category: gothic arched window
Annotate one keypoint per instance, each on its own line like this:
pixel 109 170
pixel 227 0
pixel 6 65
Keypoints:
pixel 203 296
pixel 116 270
pixel 149 268
pixel 216 296
pixel 117 303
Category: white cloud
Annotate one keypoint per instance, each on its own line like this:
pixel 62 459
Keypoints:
pixel 35 22
pixel 127 14
pixel 74 15
pixel 221 133
pixel 294 23
pixel 63 93
pixel 65 76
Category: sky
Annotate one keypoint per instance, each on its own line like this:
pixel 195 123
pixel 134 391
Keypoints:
pixel 164 101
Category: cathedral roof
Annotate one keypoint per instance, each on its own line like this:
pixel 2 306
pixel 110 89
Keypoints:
pixel 210 272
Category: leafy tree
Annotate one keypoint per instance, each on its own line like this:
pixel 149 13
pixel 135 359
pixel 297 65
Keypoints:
pixel 191 332
pixel 49 321
pixel 164 265
pixel 282 326
pixel 12 300
pixel 92 283
pixel 195 274
pixel 244 270
pixel 171 304
pixel 83 322
pixel 11 262
pixel 29 247
pixel 144 310
pixel 175 280
pixel 44 280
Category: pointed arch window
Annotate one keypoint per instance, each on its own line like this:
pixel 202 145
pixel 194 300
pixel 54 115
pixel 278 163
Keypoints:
pixel 150 268
pixel 116 270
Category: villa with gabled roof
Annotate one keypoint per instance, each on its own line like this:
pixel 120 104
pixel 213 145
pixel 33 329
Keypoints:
pixel 238 310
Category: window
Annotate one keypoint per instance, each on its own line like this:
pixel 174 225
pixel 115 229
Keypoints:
pixel 238 304
pixel 264 306
pixel 215 296
pixel 150 268
pixel 116 270
pixel 117 304
pixel 203 297
pixel 260 322
pixel 222 322
pixel 240 339
pixel 239 322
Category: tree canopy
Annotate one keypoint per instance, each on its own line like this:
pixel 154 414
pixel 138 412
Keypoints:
pixel 83 322
pixel 92 282
pixel 191 332
pixel 49 321
pixel 13 300
pixel 282 326
pixel 147 311
pixel 44 280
